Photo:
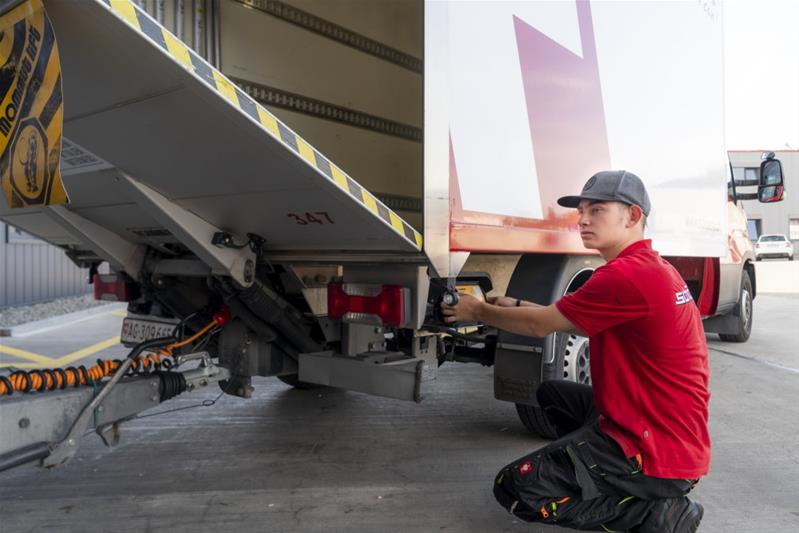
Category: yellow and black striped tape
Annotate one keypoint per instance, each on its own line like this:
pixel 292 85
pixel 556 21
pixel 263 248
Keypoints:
pixel 186 57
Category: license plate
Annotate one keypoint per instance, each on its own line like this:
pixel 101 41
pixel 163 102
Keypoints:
pixel 136 330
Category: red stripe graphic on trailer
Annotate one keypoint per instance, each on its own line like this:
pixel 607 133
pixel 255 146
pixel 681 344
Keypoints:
pixel 569 135
pixel 565 108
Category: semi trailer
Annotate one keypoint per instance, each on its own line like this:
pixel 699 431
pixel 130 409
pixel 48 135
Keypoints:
pixel 289 189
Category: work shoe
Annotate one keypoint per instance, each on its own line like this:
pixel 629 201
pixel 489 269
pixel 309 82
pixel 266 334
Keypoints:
pixel 674 515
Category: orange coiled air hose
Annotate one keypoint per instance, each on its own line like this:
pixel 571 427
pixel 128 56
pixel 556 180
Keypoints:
pixel 59 378
pixel 44 379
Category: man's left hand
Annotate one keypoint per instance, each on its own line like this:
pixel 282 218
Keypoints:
pixel 466 310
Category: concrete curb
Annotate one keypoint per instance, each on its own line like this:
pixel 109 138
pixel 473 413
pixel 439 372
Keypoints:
pixel 29 328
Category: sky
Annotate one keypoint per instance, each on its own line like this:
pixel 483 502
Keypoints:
pixel 762 74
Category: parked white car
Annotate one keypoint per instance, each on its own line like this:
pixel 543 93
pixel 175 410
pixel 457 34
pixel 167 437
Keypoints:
pixel 775 245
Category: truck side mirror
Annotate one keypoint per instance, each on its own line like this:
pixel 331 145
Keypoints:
pixel 771 187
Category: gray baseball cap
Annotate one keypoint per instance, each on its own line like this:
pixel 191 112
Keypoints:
pixel 612 186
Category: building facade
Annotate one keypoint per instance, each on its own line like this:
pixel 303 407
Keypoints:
pixel 781 217
pixel 33 271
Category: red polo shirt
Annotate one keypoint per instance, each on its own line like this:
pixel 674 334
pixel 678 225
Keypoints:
pixel 649 365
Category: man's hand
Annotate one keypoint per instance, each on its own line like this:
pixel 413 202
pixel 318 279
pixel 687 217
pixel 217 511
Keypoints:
pixel 467 309
pixel 529 319
pixel 502 301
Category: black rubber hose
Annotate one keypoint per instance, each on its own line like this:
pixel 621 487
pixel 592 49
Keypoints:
pixel 270 306
pixel 251 313
pixel 455 333
pixel 20 456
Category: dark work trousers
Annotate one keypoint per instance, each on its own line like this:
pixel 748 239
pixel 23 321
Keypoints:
pixel 583 480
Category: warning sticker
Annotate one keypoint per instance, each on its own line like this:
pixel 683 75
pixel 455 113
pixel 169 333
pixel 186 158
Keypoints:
pixel 31 108
pixel 76 159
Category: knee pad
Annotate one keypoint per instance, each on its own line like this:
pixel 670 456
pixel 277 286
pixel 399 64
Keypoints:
pixel 504 490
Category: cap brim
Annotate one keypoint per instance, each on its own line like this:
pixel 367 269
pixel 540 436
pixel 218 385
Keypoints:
pixel 574 201
pixel 569 201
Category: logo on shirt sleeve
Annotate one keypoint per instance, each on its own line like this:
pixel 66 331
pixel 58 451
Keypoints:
pixel 683 297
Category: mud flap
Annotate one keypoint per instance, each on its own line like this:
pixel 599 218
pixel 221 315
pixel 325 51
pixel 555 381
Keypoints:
pixel 517 373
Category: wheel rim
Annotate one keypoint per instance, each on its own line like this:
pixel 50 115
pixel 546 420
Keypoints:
pixel 576 355
pixel 577 360
pixel 746 306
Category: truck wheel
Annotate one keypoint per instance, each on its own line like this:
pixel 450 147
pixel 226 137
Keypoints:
pixel 571 352
pixel 293 381
pixel 576 358
pixel 743 312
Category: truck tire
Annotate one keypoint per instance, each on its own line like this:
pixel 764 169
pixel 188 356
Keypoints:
pixel 742 312
pixel 571 352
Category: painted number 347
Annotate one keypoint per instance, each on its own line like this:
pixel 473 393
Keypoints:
pixel 317 217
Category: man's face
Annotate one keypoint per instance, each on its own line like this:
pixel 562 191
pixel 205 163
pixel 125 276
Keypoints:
pixel 603 224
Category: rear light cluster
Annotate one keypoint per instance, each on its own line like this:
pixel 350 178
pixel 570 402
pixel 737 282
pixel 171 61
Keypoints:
pixel 785 243
pixel 383 305
pixel 110 287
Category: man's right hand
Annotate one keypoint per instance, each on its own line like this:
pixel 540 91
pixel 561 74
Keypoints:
pixel 501 301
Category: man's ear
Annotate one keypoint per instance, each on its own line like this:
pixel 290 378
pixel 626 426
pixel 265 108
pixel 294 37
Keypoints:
pixel 635 215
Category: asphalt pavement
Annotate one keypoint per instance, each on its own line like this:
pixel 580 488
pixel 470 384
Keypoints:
pixel 329 460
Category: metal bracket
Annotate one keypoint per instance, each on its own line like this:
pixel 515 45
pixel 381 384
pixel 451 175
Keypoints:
pixel 119 251
pixel 204 375
pixel 389 374
pixel 65 450
pixel 195 233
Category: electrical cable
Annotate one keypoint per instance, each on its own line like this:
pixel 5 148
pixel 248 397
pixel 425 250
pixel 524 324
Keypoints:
pixel 456 333
pixel 46 379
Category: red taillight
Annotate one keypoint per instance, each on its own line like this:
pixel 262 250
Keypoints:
pixel 387 305
pixel 110 287
pixel 222 316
